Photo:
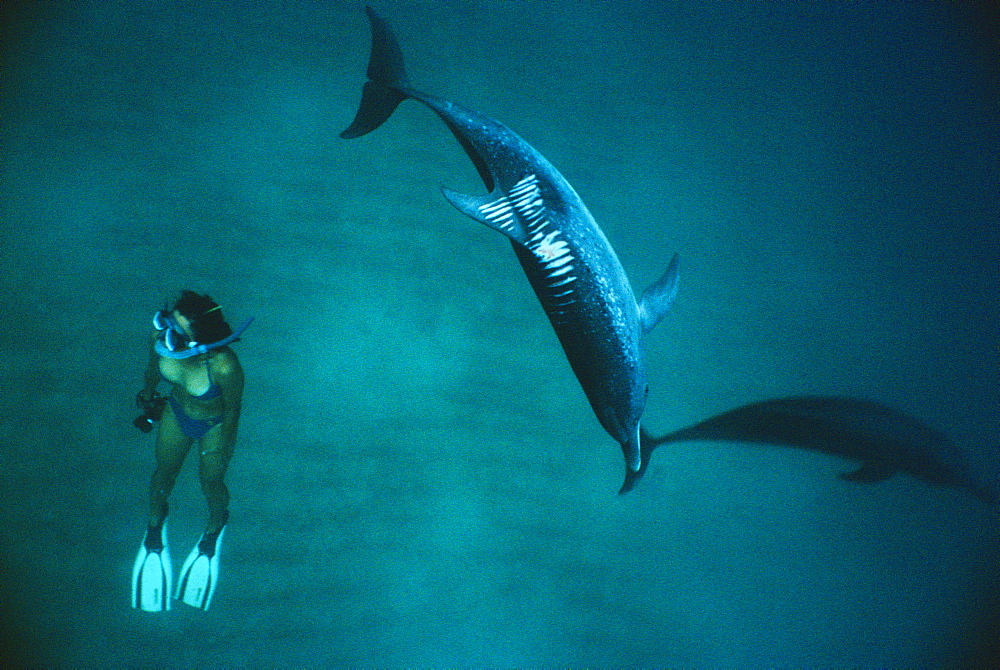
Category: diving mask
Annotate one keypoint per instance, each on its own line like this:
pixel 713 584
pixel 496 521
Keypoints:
pixel 174 342
pixel 173 336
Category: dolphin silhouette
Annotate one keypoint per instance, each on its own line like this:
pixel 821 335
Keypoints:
pixel 569 262
pixel 883 439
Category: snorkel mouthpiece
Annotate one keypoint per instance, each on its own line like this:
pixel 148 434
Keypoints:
pixel 165 347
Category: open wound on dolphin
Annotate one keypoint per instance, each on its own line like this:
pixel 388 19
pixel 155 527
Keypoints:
pixel 525 199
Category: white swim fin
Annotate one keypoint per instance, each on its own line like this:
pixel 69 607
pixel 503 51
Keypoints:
pixel 200 572
pixel 152 574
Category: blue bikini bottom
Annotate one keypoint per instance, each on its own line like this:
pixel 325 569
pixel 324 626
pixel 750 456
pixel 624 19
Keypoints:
pixel 193 428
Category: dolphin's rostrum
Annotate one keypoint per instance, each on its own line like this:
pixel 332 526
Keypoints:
pixel 567 259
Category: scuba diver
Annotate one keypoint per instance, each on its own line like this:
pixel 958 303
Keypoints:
pixel 189 349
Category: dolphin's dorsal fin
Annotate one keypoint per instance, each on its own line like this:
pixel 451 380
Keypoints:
pixel 659 297
pixel 870 472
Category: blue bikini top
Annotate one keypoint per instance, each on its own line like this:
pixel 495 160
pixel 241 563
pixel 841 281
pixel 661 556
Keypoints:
pixel 213 391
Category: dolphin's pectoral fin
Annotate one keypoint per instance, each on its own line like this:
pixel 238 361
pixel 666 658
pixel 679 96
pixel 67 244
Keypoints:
pixel 870 472
pixel 659 297
pixel 493 210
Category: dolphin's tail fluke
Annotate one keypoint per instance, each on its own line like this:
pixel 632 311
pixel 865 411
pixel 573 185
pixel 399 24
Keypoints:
pixel 386 80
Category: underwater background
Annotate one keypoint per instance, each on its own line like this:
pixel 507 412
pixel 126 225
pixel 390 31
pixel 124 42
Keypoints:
pixel 419 479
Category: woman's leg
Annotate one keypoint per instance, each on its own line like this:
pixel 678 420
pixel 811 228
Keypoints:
pixel 172 445
pixel 215 455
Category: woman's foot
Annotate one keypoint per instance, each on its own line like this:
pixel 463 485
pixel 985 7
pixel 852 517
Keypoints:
pixel 207 544
pixel 156 520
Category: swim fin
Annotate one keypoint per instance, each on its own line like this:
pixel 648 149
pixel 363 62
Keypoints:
pixel 152 574
pixel 200 572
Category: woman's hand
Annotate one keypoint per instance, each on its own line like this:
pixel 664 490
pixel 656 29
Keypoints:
pixel 146 398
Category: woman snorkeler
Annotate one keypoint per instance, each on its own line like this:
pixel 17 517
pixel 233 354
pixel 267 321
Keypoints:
pixel 189 349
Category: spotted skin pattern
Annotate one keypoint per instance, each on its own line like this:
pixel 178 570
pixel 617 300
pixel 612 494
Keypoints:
pixel 566 258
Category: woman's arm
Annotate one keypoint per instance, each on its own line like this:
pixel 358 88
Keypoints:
pixel 152 375
pixel 228 374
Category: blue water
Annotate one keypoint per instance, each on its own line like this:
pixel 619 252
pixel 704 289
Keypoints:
pixel 419 479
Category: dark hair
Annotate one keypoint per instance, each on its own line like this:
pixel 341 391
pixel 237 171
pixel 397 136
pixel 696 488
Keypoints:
pixel 205 316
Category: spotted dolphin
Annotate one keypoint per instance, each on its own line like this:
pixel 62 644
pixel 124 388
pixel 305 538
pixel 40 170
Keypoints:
pixel 884 440
pixel 570 264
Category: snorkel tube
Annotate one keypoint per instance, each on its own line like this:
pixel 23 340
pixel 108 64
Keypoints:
pixel 161 347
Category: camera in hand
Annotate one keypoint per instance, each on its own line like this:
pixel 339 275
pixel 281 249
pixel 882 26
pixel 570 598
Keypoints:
pixel 152 408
